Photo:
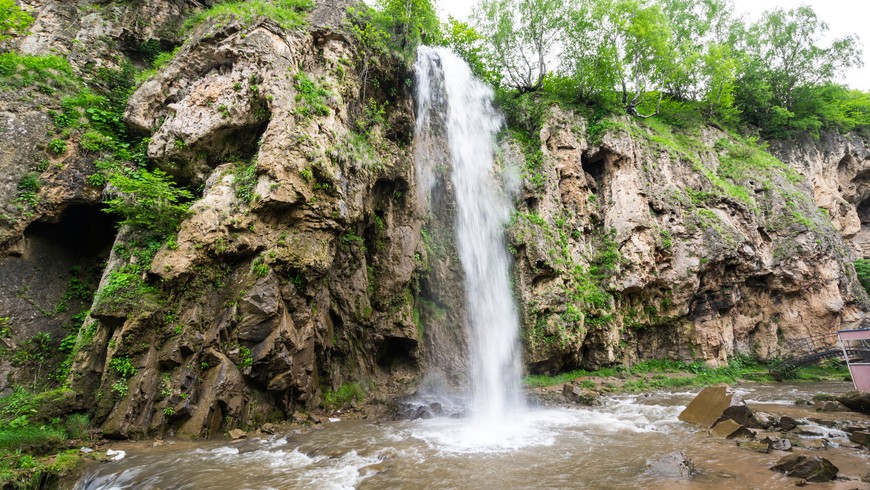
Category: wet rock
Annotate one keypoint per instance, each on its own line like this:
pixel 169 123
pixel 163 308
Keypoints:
pixel 730 429
pixel 787 423
pixel 861 437
pixel 237 434
pixel 857 401
pixel 757 446
pixel 422 413
pixel 576 394
pixel 814 444
pixel 777 443
pixel 300 417
pixel 741 414
pixel 809 468
pixel 831 406
pixel 810 430
pixel 707 408
pixel 675 465
pixel 802 402
pixel 766 420
pixel 267 429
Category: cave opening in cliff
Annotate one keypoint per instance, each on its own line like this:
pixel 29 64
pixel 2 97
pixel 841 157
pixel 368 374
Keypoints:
pixel 82 231
pixel 593 166
pixel 397 353
pixel 864 212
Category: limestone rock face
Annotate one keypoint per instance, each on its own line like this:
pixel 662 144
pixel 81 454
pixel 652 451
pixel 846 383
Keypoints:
pixel 837 168
pixel 632 248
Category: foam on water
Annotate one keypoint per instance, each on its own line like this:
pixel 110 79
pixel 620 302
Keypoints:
pixel 542 427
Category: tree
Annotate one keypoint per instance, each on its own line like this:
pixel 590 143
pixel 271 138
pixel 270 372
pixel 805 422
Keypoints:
pixel 466 42
pixel 646 36
pixel 521 37
pixel 13 20
pixel 786 43
pixel 411 22
pixel 696 28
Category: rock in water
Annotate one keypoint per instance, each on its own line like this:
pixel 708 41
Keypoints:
pixel 675 465
pixel 809 468
pixel 730 429
pixel 857 401
pixel 576 394
pixel 722 411
pixel 706 408
pixel 861 437
pixel 787 423
pixel 237 434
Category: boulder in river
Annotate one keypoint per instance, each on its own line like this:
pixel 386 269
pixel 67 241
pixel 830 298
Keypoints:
pixel 730 429
pixel 776 442
pixel 787 423
pixel 576 394
pixel 675 465
pixel 831 406
pixel 722 411
pixel 237 434
pixel 861 437
pixel 809 468
pixel 857 401
pixel 706 408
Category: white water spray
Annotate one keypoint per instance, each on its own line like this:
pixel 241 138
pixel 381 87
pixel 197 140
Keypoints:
pixel 462 105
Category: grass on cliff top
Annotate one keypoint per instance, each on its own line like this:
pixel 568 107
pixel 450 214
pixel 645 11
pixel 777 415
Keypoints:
pixel 289 14
pixel 661 373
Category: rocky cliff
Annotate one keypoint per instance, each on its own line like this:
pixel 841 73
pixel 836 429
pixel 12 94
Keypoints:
pixel 642 241
pixel 305 269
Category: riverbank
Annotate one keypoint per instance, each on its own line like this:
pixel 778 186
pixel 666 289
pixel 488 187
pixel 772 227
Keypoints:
pixel 661 374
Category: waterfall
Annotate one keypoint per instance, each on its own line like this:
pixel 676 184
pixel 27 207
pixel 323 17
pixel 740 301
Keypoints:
pixel 455 108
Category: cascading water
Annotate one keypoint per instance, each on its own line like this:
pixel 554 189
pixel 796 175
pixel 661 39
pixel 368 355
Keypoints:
pixel 453 105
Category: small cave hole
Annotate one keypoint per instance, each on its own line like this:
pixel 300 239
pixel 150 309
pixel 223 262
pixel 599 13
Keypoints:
pixel 397 352
pixel 82 231
pixel 864 211
pixel 593 166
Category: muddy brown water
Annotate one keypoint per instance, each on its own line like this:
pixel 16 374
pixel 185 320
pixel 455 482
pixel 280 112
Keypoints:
pixel 605 447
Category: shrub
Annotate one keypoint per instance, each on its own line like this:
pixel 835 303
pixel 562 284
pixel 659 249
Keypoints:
pixel 29 183
pixel 123 366
pixel 310 97
pixel 149 200
pixel 347 393
pixel 57 146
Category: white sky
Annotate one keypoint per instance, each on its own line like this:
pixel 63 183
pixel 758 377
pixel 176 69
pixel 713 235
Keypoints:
pixel 844 17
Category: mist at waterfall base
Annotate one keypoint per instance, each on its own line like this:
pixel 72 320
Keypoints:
pixel 457 108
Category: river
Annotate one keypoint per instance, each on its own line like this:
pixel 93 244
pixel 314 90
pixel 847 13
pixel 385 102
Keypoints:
pixel 583 447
